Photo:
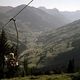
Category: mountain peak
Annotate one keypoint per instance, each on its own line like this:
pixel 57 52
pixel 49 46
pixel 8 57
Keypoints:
pixel 4 9
pixel 23 5
pixel 42 8
pixel 55 9
pixel 78 11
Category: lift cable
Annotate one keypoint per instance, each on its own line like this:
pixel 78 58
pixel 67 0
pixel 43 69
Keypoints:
pixel 16 14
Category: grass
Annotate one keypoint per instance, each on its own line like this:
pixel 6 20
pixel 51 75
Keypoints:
pixel 43 77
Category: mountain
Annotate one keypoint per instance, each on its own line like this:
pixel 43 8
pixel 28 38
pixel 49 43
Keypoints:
pixel 59 47
pixel 4 9
pixel 74 15
pixel 62 32
pixel 36 19
pixel 55 12
pixel 69 15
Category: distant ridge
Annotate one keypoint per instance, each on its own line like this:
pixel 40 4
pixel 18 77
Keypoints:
pixel 4 9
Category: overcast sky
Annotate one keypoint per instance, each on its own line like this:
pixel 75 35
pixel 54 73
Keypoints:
pixel 62 5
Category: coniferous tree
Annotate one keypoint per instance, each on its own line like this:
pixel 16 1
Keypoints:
pixel 25 65
pixel 3 49
pixel 70 68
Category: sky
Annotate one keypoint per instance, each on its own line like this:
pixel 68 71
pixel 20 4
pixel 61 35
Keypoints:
pixel 62 5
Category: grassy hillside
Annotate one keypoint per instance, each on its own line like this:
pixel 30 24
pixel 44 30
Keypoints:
pixel 60 46
pixel 75 76
pixel 53 49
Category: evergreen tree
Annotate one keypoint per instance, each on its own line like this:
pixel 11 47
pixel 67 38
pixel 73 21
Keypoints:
pixel 25 65
pixel 3 48
pixel 70 68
